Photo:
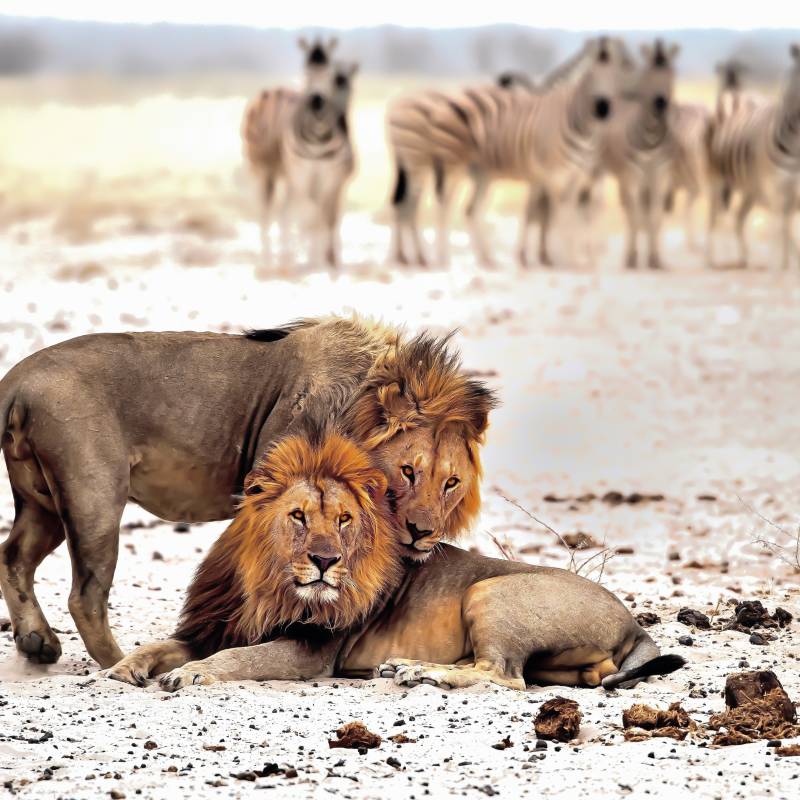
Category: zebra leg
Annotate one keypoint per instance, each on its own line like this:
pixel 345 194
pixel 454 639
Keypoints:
pixel 688 218
pixel 267 206
pixel 630 210
pixel 528 218
pixel 399 199
pixel 446 185
pixel 331 214
pixel 715 191
pixel 408 216
pixel 657 202
pixel 286 227
pixel 741 228
pixel 475 209
pixel 546 208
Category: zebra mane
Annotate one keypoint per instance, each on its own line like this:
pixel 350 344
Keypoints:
pixel 570 70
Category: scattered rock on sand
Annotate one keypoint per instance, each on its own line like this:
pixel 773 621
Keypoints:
pixel 693 618
pixel 355 735
pixel 648 618
pixel 644 722
pixel 757 708
pixel 558 719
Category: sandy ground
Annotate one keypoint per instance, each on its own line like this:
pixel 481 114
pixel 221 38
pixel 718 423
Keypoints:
pixel 680 384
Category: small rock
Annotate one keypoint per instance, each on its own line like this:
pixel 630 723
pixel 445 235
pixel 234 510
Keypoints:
pixel 686 640
pixel 116 794
pixel 393 762
pixel 504 744
pixel 157 556
pixel 181 527
pixel 150 745
pixel 648 618
pixel 757 638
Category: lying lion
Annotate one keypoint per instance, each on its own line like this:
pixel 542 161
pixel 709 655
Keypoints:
pixel 174 422
pixel 312 563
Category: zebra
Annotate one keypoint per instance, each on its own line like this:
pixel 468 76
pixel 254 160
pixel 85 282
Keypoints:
pixel 544 137
pixel 301 139
pixel 754 149
pixel 642 153
pixel 729 89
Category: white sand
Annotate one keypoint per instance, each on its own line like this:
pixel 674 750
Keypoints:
pixel 682 384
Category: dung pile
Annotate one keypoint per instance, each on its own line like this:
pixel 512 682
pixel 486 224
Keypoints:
pixel 644 722
pixel 757 708
pixel 558 719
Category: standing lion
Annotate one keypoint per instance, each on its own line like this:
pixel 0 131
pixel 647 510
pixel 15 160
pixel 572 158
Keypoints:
pixel 174 422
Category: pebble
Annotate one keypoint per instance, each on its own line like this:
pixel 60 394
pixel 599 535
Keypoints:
pixel 687 640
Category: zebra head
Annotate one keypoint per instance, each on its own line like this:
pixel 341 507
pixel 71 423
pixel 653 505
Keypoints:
pixel 327 94
pixel 657 78
pixel 730 74
pixel 317 53
pixel 792 91
pixel 609 68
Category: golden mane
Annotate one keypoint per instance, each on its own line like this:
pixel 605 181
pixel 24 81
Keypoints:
pixel 421 383
pixel 240 594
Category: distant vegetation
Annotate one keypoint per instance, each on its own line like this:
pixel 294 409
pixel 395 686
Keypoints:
pixel 28 46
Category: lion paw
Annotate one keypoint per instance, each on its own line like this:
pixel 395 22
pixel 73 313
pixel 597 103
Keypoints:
pixel 187 675
pixel 125 673
pixel 413 673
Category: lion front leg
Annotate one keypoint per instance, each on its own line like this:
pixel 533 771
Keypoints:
pixel 281 659
pixel 148 660
pixel 406 672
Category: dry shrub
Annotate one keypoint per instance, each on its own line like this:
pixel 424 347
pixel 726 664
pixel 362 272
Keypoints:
pixel 644 722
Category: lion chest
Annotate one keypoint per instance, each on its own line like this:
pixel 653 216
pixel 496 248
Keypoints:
pixel 434 633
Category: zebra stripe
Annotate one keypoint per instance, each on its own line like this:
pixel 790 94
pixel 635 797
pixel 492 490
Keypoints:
pixel 301 140
pixel 488 132
pixel 754 149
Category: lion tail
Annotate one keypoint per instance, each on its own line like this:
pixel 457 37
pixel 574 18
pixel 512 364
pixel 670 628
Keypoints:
pixel 643 661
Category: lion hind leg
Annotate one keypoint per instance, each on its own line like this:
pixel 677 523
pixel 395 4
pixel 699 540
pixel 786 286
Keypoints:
pixel 150 660
pixel 406 672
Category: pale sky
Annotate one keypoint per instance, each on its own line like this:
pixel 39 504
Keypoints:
pixel 569 14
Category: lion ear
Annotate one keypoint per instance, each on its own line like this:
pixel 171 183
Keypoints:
pixel 375 483
pixel 481 401
pixel 253 483
pixel 396 408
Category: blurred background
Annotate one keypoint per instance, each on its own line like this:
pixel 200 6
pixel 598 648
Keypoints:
pixel 135 126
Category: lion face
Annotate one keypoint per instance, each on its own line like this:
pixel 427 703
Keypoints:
pixel 316 528
pixel 310 542
pixel 433 485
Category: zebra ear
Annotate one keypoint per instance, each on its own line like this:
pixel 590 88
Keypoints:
pixel 647 53
pixel 333 43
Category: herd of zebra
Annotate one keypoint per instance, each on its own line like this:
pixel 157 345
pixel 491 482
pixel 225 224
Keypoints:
pixel 602 112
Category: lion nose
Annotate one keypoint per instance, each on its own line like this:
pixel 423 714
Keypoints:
pixel 416 533
pixel 323 562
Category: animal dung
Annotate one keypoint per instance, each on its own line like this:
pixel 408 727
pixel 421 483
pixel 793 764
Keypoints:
pixel 644 722
pixel 558 719
pixel 693 618
pixel 355 735
pixel 757 708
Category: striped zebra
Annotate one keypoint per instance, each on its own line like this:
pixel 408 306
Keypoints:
pixel 754 149
pixel 730 86
pixel 300 140
pixel 545 137
pixel 642 153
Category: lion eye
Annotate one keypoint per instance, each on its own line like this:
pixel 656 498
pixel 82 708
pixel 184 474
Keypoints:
pixel 408 471
pixel 345 518
pixel 451 483
pixel 298 515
